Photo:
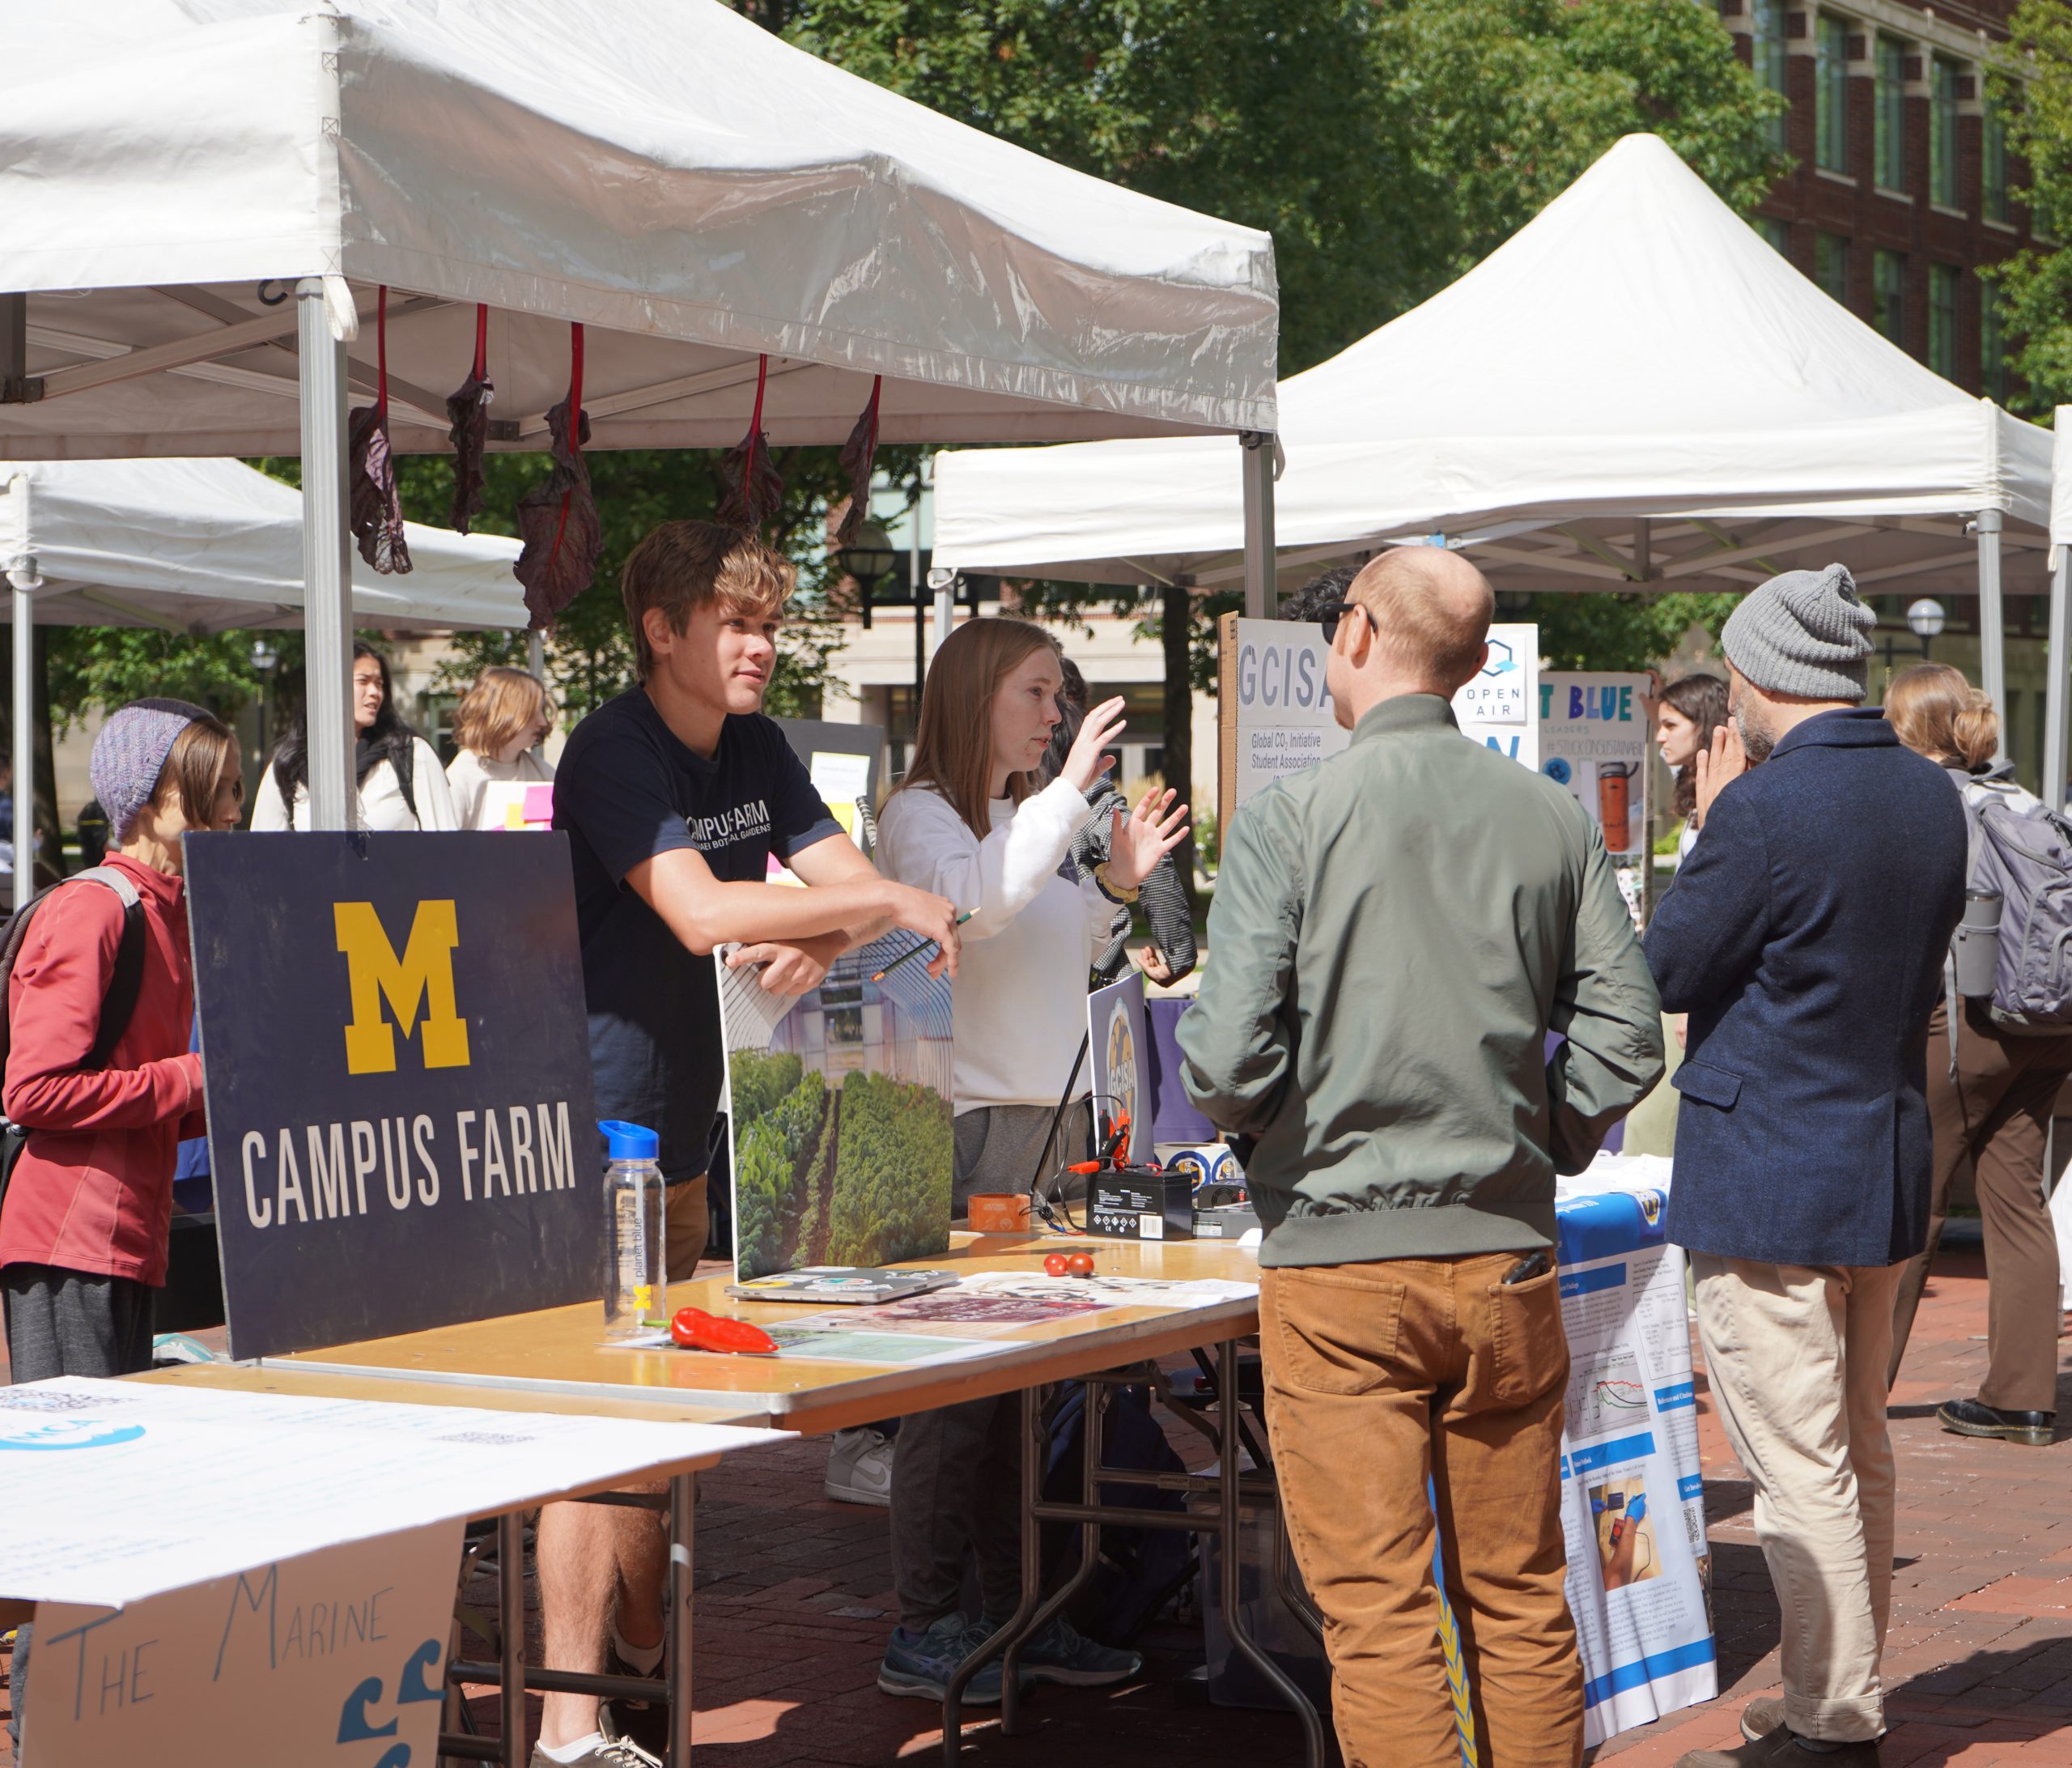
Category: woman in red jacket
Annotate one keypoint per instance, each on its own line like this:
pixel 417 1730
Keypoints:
pixel 83 1233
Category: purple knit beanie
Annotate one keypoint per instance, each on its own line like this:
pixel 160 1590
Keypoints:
pixel 129 753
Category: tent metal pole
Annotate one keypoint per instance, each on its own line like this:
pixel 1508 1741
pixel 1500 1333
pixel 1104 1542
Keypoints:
pixel 536 654
pixel 21 574
pixel 1992 622
pixel 2054 693
pixel 1262 597
pixel 327 608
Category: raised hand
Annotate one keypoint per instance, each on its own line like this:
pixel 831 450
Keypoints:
pixel 1140 839
pixel 1718 767
pixel 1086 763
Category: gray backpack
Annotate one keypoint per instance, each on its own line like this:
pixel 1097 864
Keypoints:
pixel 2023 849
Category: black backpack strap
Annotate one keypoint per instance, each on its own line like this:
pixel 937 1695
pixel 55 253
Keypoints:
pixel 405 761
pixel 119 1005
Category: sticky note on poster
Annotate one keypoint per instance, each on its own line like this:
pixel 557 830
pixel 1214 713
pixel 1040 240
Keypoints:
pixel 336 1657
pixel 1594 740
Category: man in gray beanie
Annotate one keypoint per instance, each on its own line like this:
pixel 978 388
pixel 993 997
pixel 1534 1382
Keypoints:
pixel 1805 937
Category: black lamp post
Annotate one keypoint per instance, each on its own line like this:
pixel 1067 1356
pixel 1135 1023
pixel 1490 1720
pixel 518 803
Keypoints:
pixel 867 558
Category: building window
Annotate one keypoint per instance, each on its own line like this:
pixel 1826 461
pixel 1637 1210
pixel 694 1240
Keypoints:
pixel 1776 234
pixel 1888 293
pixel 1992 345
pixel 1942 133
pixel 1830 264
pixel 1766 60
pixel 1943 319
pixel 1993 173
pixel 1831 94
pixel 1889 115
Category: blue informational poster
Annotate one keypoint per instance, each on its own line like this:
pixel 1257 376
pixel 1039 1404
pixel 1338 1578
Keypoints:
pixel 398 1063
pixel 1632 1497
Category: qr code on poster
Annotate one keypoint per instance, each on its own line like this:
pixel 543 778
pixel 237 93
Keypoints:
pixel 29 1399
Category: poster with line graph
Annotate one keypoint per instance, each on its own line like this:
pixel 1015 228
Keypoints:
pixel 1632 1504
pixel 1605 1391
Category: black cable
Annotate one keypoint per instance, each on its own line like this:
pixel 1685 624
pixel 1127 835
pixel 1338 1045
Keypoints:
pixel 1042 1204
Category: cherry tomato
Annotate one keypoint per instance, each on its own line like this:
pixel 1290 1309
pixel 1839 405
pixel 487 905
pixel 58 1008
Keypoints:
pixel 695 1329
pixel 1056 1263
pixel 1080 1263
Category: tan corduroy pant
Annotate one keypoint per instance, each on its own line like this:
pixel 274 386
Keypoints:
pixel 1377 1375
pixel 1796 1357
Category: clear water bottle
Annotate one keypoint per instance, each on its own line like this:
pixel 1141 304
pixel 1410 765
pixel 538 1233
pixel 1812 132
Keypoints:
pixel 636 1285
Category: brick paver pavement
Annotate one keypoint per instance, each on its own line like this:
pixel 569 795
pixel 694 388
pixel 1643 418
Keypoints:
pixel 794 1593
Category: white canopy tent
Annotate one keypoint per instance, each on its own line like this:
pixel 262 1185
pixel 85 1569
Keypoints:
pixel 214 546
pixel 1634 391
pixel 695 192
pixel 206 546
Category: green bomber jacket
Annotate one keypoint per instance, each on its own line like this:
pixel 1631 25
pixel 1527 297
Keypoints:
pixel 1394 932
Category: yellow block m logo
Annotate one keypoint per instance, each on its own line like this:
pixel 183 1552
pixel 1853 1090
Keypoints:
pixel 421 977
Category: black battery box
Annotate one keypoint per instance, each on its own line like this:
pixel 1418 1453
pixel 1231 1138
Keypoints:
pixel 1141 1203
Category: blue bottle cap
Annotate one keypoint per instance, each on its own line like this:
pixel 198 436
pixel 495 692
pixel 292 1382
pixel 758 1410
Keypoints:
pixel 629 1141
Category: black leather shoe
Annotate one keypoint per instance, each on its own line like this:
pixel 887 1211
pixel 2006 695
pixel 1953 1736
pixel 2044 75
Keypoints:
pixel 1973 1417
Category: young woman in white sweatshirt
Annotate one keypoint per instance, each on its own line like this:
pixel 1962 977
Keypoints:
pixel 970 823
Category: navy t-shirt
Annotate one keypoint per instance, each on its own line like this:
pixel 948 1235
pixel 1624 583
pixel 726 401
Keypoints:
pixel 626 790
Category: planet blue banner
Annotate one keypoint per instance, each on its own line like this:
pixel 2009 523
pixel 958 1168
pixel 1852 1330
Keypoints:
pixel 397 1066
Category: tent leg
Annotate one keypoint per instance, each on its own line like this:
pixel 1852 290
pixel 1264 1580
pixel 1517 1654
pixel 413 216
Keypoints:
pixel 327 607
pixel 24 612
pixel 1992 622
pixel 2054 693
pixel 1262 594
pixel 536 654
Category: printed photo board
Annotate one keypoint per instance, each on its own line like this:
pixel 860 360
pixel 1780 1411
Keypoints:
pixel 398 1063
pixel 1118 1037
pixel 839 1111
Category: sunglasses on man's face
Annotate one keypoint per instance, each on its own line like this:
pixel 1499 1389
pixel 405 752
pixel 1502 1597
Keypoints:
pixel 1331 612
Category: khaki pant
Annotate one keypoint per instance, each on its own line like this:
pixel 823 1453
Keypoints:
pixel 1994 1117
pixel 1796 1357
pixel 1378 1374
pixel 687 1221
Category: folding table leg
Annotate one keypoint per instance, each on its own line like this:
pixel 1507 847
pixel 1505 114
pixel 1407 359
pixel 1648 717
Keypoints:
pixel 1232 1532
pixel 1032 1577
pixel 682 1493
pixel 511 1624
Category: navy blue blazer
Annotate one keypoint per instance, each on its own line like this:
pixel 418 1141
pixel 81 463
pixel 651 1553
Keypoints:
pixel 1805 937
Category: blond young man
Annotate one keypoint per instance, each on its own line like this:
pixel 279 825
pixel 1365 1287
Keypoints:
pixel 675 796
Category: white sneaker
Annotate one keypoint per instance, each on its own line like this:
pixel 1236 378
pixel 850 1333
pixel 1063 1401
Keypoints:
pixel 859 1468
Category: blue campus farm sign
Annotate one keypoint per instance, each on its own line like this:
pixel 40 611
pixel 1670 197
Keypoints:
pixel 400 1128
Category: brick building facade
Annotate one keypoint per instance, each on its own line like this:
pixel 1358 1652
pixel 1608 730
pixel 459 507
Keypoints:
pixel 1901 188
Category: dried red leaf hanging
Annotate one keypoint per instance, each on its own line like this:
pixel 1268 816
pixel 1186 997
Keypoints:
pixel 468 411
pixel 558 521
pixel 856 464
pixel 377 513
pixel 755 489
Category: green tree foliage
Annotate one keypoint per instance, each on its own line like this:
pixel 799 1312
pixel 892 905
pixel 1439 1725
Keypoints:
pixel 1622 632
pixel 2035 284
pixel 892 1172
pixel 1388 145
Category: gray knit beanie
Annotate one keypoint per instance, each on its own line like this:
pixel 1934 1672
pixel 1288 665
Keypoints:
pixel 1803 632
pixel 129 754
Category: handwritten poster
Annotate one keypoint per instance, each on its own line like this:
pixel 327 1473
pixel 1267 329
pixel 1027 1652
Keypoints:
pixel 332 1660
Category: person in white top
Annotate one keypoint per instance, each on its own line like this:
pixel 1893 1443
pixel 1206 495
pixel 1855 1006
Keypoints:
pixel 401 785
pixel 969 822
pixel 498 726
pixel 1686 715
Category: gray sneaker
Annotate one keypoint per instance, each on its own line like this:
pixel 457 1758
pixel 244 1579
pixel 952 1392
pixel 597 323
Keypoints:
pixel 606 1753
pixel 859 1468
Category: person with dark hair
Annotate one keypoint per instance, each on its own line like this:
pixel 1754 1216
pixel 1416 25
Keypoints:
pixel 1171 955
pixel 401 784
pixel 1990 1105
pixel 1322 592
pixel 1685 717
